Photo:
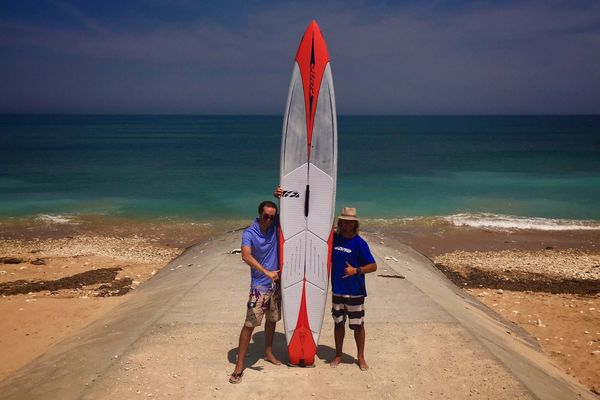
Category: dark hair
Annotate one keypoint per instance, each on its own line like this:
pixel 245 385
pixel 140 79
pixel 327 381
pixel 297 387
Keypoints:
pixel 339 227
pixel 264 204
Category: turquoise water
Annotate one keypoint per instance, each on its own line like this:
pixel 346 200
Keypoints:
pixel 204 167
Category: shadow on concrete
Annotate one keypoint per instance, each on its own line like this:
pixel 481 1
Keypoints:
pixel 327 353
pixel 256 350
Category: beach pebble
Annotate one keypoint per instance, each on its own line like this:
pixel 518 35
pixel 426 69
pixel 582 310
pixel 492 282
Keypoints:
pixel 236 251
pixel 500 291
pixel 596 353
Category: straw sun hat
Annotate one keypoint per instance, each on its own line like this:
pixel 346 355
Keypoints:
pixel 349 214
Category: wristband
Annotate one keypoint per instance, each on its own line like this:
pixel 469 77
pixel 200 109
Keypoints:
pixel 359 271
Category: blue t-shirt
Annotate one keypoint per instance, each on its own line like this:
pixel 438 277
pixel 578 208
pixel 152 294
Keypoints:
pixel 356 252
pixel 265 249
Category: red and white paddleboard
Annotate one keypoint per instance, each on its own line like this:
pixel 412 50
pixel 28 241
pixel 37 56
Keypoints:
pixel 308 179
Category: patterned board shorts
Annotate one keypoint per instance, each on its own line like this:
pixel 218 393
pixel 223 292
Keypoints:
pixel 260 304
pixel 347 306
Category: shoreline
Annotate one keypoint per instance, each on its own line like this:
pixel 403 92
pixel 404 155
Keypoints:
pixel 93 262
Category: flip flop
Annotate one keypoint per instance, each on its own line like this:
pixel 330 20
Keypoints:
pixel 236 377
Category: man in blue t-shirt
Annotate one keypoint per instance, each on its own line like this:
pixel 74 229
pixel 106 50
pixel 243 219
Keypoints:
pixel 260 251
pixel 351 259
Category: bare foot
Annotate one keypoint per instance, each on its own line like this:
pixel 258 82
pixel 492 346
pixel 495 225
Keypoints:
pixel 272 359
pixel 363 364
pixel 236 377
pixel 336 361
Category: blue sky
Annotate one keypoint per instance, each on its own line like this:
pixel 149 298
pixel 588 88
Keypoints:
pixel 206 57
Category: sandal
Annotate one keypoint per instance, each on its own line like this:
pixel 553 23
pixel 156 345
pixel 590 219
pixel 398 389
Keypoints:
pixel 236 377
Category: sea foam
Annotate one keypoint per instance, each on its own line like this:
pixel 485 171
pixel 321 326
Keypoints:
pixel 509 222
pixel 56 219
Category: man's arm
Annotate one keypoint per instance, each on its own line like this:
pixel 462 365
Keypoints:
pixel 254 264
pixel 365 269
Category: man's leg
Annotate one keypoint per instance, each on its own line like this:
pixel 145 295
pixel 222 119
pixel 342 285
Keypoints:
pixel 339 314
pixel 359 337
pixel 245 336
pixel 338 333
pixel 269 333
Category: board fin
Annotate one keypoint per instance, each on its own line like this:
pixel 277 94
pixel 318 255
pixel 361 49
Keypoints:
pixel 302 347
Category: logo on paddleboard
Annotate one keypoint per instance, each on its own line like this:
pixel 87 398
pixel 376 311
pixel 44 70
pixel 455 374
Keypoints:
pixel 311 86
pixel 291 194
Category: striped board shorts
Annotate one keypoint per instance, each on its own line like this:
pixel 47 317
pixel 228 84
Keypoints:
pixel 350 307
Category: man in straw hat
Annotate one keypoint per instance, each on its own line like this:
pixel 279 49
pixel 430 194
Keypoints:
pixel 351 259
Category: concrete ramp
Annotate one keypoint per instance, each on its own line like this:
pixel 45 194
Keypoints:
pixel 176 337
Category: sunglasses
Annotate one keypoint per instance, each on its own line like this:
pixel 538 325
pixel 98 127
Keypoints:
pixel 267 217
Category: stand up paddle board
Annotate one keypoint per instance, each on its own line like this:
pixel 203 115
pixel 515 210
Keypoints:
pixel 307 206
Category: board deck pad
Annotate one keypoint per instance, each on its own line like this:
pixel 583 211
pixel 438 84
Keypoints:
pixel 307 206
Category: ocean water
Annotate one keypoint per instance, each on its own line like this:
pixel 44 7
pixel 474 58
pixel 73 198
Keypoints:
pixel 534 168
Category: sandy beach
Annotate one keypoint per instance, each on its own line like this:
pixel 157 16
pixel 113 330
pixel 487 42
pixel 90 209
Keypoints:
pixel 58 275
pixel 56 278
pixel 547 282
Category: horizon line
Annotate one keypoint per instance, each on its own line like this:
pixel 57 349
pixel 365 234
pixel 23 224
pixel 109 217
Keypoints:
pixel 2 114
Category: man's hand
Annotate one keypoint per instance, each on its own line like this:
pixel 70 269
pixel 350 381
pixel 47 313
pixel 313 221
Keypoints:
pixel 272 275
pixel 278 192
pixel 349 270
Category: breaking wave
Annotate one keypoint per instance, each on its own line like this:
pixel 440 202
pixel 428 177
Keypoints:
pixel 509 222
